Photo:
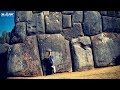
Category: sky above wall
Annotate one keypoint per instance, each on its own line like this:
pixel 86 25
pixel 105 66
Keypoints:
pixel 6 21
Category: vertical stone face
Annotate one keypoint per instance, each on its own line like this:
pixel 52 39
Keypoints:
pixel 19 33
pixel 82 53
pixel 36 25
pixel 92 23
pixel 66 21
pixel 40 23
pixel 73 32
pixel 23 16
pixel 106 48
pixel 77 30
pixel 24 59
pixel 53 22
pixel 60 51
pixel 111 24
pixel 77 17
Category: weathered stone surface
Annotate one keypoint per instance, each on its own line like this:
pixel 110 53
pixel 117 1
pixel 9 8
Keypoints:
pixel 111 13
pixel 92 23
pixel 67 33
pixel 67 12
pixel 111 24
pixel 23 16
pixel 3 60
pixel 23 58
pixel 40 23
pixel 77 30
pixel 1 40
pixel 31 28
pixel 81 54
pixel 19 33
pixel 77 17
pixel 4 47
pixel 6 37
pixel 46 13
pixel 104 13
pixel 66 21
pixel 73 32
pixel 60 51
pixel 106 48
pixel 37 24
pixel 53 22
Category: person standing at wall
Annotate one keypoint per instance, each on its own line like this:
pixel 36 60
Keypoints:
pixel 51 58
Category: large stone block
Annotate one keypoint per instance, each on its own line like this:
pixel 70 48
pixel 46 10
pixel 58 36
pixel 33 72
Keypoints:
pixel 81 54
pixel 66 21
pixel 53 22
pixel 24 59
pixel 106 48
pixel 23 16
pixel 37 24
pixel 19 33
pixel 77 30
pixel 60 51
pixel 73 32
pixel 77 17
pixel 111 24
pixel 92 23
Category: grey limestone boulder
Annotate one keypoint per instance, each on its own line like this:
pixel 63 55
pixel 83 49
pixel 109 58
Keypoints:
pixel 53 22
pixel 37 24
pixel 19 33
pixel 92 23
pixel 66 21
pixel 73 32
pixel 24 59
pixel 23 16
pixel 106 48
pixel 77 17
pixel 82 57
pixel 111 24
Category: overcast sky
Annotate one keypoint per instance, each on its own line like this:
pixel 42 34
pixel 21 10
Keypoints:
pixel 6 21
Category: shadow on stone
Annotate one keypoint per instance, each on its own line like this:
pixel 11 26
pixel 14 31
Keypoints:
pixel 3 66
pixel 117 60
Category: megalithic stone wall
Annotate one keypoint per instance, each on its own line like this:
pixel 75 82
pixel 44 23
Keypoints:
pixel 79 40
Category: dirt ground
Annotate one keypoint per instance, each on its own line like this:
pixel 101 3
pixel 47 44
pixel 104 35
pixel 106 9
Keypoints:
pixel 112 72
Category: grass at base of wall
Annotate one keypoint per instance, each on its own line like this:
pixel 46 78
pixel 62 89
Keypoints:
pixel 112 72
